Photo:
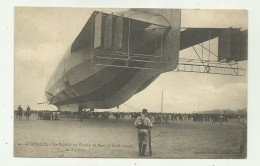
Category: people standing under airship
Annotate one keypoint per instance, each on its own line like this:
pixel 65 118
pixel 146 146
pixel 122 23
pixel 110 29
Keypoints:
pixel 40 115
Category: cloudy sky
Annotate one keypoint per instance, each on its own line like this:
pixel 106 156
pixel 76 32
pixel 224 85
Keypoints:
pixel 42 35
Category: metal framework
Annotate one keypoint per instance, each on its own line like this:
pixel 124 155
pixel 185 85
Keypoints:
pixel 200 65
pixel 209 67
pixel 126 59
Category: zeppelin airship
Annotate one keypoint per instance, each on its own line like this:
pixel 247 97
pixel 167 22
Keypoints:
pixel 117 55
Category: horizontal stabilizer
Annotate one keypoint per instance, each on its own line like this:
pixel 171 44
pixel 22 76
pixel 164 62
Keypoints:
pixel 232 42
pixel 194 36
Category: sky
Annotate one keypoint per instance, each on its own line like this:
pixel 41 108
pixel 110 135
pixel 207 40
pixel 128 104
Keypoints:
pixel 42 35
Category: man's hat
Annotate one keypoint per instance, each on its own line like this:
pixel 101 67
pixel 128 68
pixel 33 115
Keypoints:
pixel 144 111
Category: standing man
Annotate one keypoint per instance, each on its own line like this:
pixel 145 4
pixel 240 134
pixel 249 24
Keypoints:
pixel 143 124
pixel 80 112
pixel 243 143
pixel 20 112
pixel 39 114
pixel 28 113
pixel 117 116
pixel 221 118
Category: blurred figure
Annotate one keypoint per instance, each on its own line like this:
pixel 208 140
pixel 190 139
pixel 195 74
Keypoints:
pixel 117 115
pixel 159 118
pixel 238 119
pixel 28 112
pixel 221 119
pixel 243 144
pixel 58 115
pixel 40 115
pixel 55 115
pixel 169 118
pixel 20 112
pixel 164 118
pixel 156 118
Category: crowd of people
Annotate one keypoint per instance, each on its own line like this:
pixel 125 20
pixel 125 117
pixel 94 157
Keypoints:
pixel 143 121
pixel 42 114
pixel 155 117
pixel 194 117
pixel 48 115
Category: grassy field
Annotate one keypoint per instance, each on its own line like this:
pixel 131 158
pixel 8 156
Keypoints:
pixel 104 138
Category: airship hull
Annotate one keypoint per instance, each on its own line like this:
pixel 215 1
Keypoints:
pixel 93 86
pixel 105 80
